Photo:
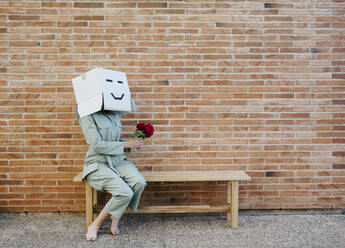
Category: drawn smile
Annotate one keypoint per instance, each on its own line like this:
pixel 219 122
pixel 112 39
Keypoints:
pixel 118 98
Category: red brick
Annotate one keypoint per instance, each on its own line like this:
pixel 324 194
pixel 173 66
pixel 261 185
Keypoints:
pixel 23 17
pixel 169 11
pixel 25 202
pixel 89 18
pixel 24 43
pixel 152 5
pixel 72 24
pixel 88 5
pixel 57 4
pixel 338 166
pixel 24 189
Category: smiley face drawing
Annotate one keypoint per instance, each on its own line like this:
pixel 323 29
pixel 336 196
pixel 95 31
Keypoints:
pixel 115 91
pixel 112 94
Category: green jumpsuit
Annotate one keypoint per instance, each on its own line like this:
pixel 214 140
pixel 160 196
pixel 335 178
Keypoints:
pixel 106 167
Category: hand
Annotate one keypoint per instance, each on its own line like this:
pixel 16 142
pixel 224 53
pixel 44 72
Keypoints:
pixel 136 142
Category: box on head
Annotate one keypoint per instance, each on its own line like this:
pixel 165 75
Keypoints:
pixel 101 86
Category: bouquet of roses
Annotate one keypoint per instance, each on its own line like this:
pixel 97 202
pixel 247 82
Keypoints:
pixel 143 131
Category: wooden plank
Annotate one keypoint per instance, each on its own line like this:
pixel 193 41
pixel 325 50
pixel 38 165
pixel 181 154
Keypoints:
pixel 78 177
pixel 88 207
pixel 234 204
pixel 182 209
pixel 178 176
pixel 228 199
pixel 176 209
pixel 174 176
pixel 94 202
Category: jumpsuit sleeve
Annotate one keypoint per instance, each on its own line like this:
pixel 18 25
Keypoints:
pixel 133 108
pixel 95 141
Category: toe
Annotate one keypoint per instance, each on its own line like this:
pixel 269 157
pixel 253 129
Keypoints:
pixel 114 232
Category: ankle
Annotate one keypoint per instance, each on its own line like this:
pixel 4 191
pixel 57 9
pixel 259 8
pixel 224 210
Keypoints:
pixel 113 218
pixel 93 225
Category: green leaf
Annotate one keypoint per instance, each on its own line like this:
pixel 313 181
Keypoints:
pixel 138 134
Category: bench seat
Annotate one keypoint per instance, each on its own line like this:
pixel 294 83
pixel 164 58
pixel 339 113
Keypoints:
pixel 231 208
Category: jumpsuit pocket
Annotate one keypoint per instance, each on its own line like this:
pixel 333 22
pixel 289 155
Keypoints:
pixel 101 177
pixel 95 179
pixel 88 168
pixel 95 185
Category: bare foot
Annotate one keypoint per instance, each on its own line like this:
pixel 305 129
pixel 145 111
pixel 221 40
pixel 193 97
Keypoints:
pixel 114 229
pixel 91 234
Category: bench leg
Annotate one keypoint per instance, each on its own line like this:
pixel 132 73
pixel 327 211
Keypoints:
pixel 94 202
pixel 228 200
pixel 234 204
pixel 88 204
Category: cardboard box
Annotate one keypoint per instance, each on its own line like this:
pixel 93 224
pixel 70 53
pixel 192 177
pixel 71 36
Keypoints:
pixel 101 86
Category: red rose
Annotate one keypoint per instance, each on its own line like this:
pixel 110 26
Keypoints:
pixel 140 127
pixel 149 130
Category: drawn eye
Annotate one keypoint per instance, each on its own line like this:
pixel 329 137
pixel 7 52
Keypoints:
pixel 110 81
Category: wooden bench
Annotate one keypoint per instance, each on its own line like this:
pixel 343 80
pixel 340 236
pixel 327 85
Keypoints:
pixel 231 208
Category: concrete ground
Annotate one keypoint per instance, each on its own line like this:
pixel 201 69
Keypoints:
pixel 256 229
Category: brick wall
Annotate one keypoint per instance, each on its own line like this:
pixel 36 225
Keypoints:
pixel 247 85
